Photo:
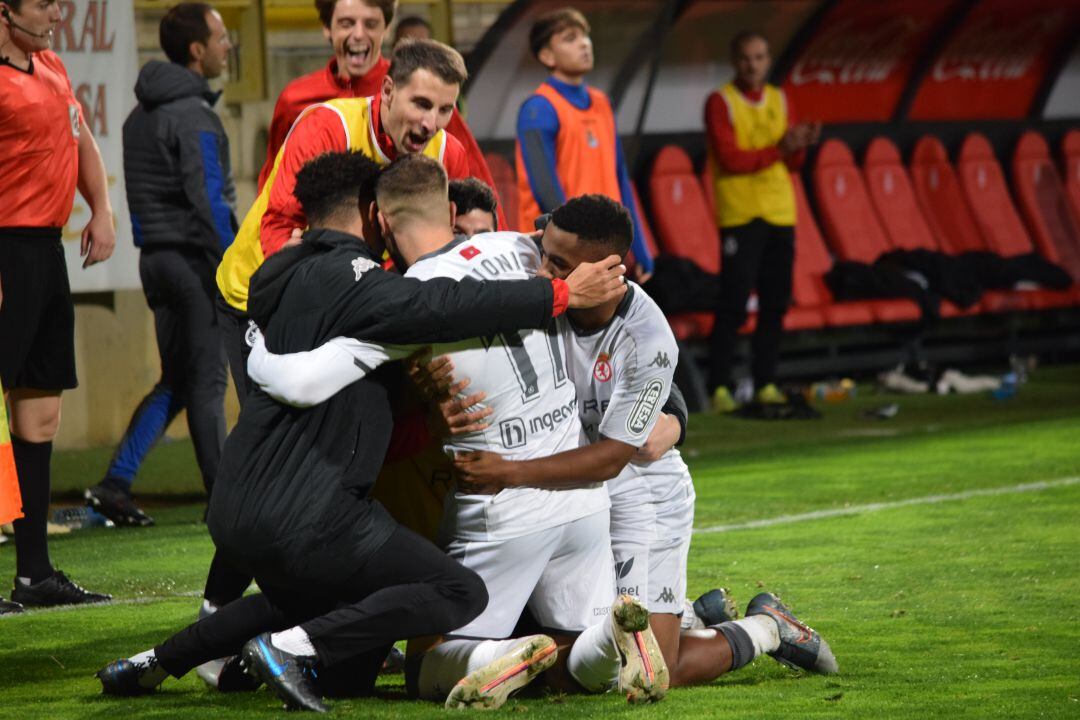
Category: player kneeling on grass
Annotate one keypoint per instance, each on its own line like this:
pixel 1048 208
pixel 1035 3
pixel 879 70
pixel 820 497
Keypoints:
pixel 621 358
pixel 547 550
pixel 341 580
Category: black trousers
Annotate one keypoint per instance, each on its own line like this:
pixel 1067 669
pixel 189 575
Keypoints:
pixel 234 328
pixel 755 256
pixel 409 588
pixel 179 287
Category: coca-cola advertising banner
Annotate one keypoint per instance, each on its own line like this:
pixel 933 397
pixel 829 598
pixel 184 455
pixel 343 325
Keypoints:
pixel 857 64
pixel 997 60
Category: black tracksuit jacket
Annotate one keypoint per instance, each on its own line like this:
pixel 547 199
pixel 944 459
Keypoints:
pixel 291 500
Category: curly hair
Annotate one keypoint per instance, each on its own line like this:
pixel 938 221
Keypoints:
pixel 335 183
pixel 596 220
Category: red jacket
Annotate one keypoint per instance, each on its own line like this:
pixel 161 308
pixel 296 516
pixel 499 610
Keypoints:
pixel 324 84
pixel 721 135
pixel 320 132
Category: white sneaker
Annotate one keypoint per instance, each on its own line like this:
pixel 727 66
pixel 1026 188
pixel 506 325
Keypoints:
pixel 896 381
pixel 644 674
pixel 489 687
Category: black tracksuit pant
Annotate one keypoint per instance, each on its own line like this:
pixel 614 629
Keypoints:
pixel 409 588
pixel 235 326
pixel 758 256
pixel 179 287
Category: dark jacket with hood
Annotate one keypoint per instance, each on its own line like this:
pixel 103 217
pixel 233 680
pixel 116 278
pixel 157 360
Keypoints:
pixel 291 500
pixel 176 163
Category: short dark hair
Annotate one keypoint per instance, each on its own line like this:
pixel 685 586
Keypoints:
pixel 551 24
pixel 408 180
pixel 441 60
pixel 15 5
pixel 470 194
pixel 335 183
pixel 596 220
pixel 325 9
pixel 743 37
pixel 410 21
pixel 182 25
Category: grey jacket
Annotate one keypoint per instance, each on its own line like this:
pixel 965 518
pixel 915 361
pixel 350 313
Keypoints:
pixel 177 172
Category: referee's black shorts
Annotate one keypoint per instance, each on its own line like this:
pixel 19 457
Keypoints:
pixel 37 318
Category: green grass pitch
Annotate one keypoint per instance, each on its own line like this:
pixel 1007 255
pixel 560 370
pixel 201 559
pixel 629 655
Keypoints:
pixel 965 604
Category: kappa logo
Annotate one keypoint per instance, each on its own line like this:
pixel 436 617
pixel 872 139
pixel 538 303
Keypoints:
pixel 360 266
pixel 622 569
pixel 648 400
pixel 731 245
pixel 602 369
pixel 73 116
pixel 661 360
pixel 666 596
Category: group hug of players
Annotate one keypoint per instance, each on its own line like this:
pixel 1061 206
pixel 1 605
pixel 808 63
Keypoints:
pixel 564 533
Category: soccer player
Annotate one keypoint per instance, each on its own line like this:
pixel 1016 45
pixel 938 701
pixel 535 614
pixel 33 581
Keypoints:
pixel 409 115
pixel 567 144
pixel 174 140
pixel 621 357
pixel 474 207
pixel 291 504
pixel 356 30
pixel 754 142
pixel 533 548
pixel 48 152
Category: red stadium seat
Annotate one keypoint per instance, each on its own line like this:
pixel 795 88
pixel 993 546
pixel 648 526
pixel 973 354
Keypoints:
pixel 894 199
pixel 850 223
pixel 941 199
pixel 1043 203
pixel 983 186
pixel 502 172
pixel 684 227
pixel 812 261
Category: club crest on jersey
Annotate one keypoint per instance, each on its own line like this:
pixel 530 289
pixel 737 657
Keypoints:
pixel 647 402
pixel 360 266
pixel 73 116
pixel 469 252
pixel 602 369
pixel 591 140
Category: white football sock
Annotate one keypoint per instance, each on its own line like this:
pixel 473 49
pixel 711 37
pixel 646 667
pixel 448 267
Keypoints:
pixel 594 658
pixel 155 674
pixel 445 664
pixel 762 631
pixel 294 640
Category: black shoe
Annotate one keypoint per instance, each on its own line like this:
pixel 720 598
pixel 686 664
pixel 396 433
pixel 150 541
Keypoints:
pixel 801 647
pixel 715 607
pixel 284 673
pixel 122 677
pixel 9 608
pixel 55 590
pixel 116 505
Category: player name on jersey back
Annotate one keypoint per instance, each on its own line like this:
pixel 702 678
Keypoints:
pixel 533 401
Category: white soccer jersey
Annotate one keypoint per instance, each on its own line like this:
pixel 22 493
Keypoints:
pixel 524 376
pixel 623 374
